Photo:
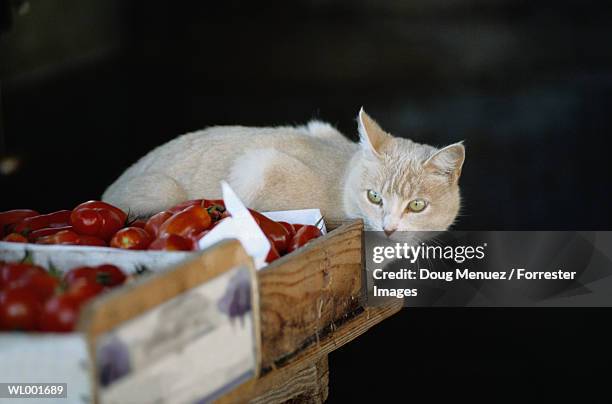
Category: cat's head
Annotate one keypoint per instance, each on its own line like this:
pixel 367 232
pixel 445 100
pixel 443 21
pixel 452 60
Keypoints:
pixel 395 184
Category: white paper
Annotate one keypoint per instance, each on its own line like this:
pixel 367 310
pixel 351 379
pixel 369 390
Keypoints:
pixel 299 216
pixel 240 226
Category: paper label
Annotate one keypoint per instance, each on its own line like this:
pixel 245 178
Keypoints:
pixel 192 348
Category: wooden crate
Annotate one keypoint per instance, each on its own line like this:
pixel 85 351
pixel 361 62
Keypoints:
pixel 156 294
pixel 152 339
pixel 311 302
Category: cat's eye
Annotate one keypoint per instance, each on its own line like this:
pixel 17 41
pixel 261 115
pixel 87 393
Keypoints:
pixel 417 205
pixel 374 197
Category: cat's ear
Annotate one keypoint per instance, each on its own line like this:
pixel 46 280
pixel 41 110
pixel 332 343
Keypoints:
pixel 372 137
pixel 447 161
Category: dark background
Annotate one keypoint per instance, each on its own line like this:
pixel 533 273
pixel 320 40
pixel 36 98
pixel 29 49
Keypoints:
pixel 88 86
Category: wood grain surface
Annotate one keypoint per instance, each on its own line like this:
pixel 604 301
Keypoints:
pixel 305 292
pixel 304 378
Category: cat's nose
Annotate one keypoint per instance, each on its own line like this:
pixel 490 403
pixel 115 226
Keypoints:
pixel 389 230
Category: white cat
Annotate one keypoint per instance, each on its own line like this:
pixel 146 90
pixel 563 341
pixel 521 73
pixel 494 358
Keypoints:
pixel 389 182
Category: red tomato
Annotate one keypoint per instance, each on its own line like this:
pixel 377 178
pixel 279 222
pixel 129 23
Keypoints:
pixel 98 222
pixel 111 275
pixel 303 236
pixel 172 242
pixel 46 231
pixel 156 221
pixel 80 273
pixel 105 275
pixel 11 217
pixel 15 238
pixel 40 283
pixel 82 290
pixel 92 241
pixel 181 206
pixel 138 223
pixel 111 223
pixel 60 314
pixel 188 222
pixel 273 255
pixel 19 310
pixel 131 238
pixel 55 219
pixel 289 227
pixel 205 203
pixel 76 274
pixel 61 237
pixel 86 221
pixel 198 236
pixel 16 215
pixel 275 231
pixel 297 227
pixel 105 206
pixel 12 272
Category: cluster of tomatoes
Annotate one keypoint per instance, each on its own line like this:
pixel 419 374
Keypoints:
pixel 33 299
pixel 97 223
pixel 284 237
pixel 179 228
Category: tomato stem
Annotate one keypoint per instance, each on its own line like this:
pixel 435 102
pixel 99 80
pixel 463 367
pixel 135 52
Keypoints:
pixel 54 271
pixel 142 270
pixel 28 258
pixel 103 278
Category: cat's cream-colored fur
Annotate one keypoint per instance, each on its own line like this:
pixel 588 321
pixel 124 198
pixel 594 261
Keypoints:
pixel 311 166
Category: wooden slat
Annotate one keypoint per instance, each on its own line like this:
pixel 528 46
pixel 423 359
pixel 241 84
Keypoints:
pixel 333 224
pixel 288 382
pixel 344 333
pixel 303 293
pixel 141 295
pixel 309 384
pixel 109 311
